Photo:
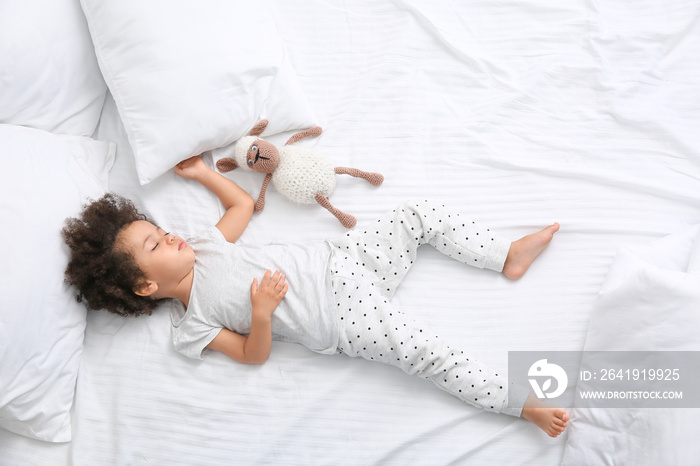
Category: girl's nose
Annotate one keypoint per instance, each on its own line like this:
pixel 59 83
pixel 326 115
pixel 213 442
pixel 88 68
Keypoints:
pixel 170 239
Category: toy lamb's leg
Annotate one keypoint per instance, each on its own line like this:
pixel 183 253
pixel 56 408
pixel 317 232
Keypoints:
pixel 374 179
pixel 260 203
pixel 347 220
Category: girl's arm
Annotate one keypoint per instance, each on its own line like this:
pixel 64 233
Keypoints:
pixel 238 203
pixel 255 348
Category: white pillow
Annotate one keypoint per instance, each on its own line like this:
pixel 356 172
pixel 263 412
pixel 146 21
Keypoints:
pixel 45 179
pixel 49 78
pixel 191 76
pixel 649 302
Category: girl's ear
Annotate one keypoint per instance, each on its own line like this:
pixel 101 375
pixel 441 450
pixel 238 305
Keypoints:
pixel 146 288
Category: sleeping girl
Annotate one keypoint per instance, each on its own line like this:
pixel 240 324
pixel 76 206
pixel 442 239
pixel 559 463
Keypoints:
pixel 332 297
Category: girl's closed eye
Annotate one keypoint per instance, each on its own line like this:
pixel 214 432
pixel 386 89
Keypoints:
pixel 156 245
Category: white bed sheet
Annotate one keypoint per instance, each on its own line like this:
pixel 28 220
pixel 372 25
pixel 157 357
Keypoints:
pixel 516 113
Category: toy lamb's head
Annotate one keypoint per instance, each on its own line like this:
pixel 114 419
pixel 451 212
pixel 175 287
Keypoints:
pixel 253 153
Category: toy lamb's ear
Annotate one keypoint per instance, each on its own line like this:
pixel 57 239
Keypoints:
pixel 226 165
pixel 259 128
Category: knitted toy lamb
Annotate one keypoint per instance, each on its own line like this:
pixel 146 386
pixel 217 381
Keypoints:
pixel 301 174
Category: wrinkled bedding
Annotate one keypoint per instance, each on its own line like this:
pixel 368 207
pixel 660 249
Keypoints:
pixel 516 113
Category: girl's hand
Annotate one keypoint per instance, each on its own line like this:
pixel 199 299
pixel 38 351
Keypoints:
pixel 238 203
pixel 192 168
pixel 266 297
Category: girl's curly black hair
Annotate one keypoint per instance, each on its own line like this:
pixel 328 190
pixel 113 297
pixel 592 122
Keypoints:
pixel 104 274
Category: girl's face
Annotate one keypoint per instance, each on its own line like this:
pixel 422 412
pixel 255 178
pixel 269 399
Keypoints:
pixel 165 259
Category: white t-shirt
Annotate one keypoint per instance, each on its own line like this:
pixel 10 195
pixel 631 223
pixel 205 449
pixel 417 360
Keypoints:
pixel 220 296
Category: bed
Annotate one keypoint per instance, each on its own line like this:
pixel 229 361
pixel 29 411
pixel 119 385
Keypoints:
pixel 515 113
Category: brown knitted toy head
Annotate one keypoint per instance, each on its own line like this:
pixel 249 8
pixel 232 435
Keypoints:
pixel 262 156
pixel 252 153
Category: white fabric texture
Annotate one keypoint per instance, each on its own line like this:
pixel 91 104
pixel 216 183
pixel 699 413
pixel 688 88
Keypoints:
pixel 649 302
pixel 191 77
pixel 220 296
pixel 49 78
pixel 45 178
pixel 516 114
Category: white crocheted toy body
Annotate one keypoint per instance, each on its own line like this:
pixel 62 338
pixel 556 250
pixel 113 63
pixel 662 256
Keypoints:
pixel 303 173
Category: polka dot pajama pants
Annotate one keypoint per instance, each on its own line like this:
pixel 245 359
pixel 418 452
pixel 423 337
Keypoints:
pixel 367 267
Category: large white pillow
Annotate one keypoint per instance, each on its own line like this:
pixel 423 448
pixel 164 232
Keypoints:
pixel 190 76
pixel 45 179
pixel 49 78
pixel 650 302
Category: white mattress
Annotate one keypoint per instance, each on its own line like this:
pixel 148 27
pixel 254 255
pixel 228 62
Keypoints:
pixel 516 113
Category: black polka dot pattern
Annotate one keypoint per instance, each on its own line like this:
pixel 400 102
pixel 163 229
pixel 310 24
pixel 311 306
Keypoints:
pixel 388 247
pixel 368 265
pixel 377 331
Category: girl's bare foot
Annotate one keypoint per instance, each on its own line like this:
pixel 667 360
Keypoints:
pixel 525 250
pixel 551 419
